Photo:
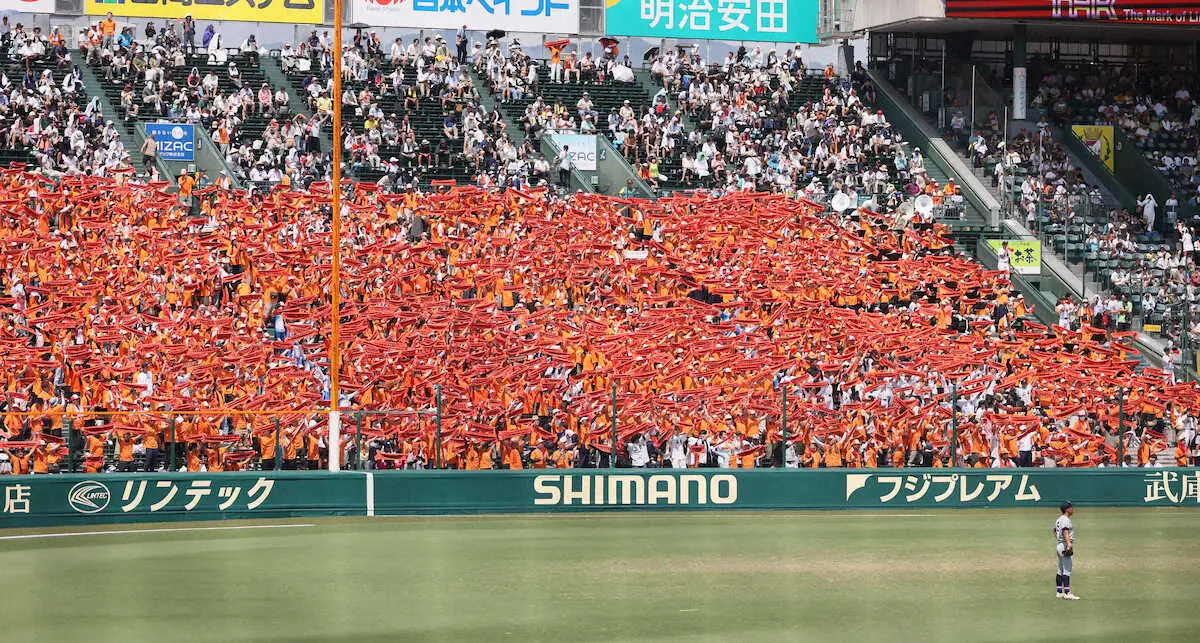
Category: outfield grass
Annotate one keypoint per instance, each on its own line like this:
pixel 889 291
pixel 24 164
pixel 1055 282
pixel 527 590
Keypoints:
pixel 920 576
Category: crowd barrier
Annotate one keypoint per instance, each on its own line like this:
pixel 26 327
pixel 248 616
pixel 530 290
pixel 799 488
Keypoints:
pixel 34 501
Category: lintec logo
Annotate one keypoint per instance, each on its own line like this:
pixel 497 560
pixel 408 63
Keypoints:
pixel 89 497
pixel 613 490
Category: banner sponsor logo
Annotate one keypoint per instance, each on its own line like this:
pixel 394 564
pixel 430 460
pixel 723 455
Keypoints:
pixel 1020 93
pixel 1099 141
pixel 738 20
pixel 581 149
pixel 1165 12
pixel 176 141
pixel 616 490
pixel 1172 487
pixel 296 11
pixel 89 497
pixel 29 6
pixel 543 16
pixel 951 488
pixel 1024 256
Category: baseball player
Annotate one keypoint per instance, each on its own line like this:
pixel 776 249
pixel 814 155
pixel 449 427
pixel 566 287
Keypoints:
pixel 1064 532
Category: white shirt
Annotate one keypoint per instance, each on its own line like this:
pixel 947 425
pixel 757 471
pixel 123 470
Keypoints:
pixel 1148 205
pixel 146 380
pixel 700 456
pixel 1062 527
pixel 723 449
pixel 639 455
pixel 677 450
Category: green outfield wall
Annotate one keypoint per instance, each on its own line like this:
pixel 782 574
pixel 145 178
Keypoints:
pixel 30 501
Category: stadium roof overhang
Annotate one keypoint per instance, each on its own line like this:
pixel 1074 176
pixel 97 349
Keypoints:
pixel 1039 30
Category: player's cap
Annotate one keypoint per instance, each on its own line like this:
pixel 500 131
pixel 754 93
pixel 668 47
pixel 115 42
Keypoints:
pixel 1065 506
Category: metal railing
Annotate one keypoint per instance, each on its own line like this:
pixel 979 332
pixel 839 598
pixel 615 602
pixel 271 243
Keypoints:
pixel 419 438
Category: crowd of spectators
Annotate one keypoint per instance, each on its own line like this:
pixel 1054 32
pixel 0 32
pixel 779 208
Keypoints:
pixel 1141 259
pixel 46 118
pixel 527 309
pixel 1029 168
pixel 170 73
pixel 1155 110
pixel 410 112
pixel 765 121
pixel 514 78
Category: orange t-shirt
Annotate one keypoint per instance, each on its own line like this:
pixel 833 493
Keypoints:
pixel 537 459
pixel 266 443
pixel 39 460
pixel 513 458
pixel 20 464
pixel 193 459
pixel 95 446
pixel 832 457
pixel 125 447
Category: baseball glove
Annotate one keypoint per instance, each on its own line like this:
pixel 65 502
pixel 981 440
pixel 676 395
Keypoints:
pixel 1069 551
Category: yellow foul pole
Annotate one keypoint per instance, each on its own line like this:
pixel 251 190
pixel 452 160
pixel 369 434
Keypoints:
pixel 335 284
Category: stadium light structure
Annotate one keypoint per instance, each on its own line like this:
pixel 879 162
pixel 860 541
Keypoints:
pixel 335 283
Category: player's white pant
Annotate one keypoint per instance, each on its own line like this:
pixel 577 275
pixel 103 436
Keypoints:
pixel 1064 562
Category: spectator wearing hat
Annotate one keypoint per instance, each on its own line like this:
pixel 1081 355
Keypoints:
pixel 460 42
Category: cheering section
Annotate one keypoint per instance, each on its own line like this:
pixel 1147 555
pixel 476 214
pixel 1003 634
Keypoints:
pixel 529 311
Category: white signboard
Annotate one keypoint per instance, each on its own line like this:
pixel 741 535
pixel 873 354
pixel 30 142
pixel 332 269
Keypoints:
pixel 28 6
pixel 581 148
pixel 545 16
pixel 1020 93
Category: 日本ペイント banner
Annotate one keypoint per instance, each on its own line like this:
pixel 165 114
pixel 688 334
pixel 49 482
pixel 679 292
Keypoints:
pixel 297 11
pixel 542 16
pixel 737 20
pixel 28 6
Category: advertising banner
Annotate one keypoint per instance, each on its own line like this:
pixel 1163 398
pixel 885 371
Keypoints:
pixel 1165 12
pixel 176 141
pixel 105 498
pixel 298 11
pixel 734 20
pixel 73 499
pixel 1020 93
pixel 581 148
pixel 1099 140
pixel 28 6
pixel 545 16
pixel 440 492
pixel 1025 257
